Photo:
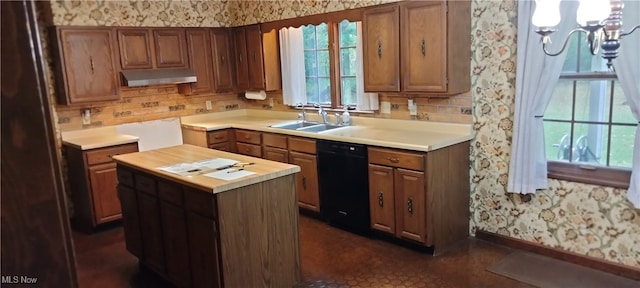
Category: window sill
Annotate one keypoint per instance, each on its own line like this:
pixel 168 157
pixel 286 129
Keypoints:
pixel 594 175
pixel 310 108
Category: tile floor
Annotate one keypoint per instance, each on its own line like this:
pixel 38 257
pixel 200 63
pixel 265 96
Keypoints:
pixel 330 258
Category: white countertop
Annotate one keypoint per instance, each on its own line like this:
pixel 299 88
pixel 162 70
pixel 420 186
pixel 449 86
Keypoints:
pixel 96 138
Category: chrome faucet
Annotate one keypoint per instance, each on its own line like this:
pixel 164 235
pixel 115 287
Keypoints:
pixel 322 113
pixel 302 115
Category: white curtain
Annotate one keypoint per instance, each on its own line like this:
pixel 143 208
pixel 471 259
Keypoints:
pixel 627 67
pixel 294 89
pixel 536 76
pixel 366 101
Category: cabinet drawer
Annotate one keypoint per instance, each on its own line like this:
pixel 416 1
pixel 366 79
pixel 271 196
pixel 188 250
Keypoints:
pixel 217 137
pixel 145 183
pixel 248 137
pixel 125 176
pixel 170 193
pixel 274 140
pixel 303 145
pixel 249 149
pixel 200 202
pixel 395 158
pixel 103 155
pixel 221 146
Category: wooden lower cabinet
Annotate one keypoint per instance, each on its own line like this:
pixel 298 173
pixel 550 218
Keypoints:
pixel 410 195
pixel 382 199
pixel 203 251
pixel 175 244
pixel 130 219
pixel 276 154
pixel 307 180
pixel 151 226
pixel 104 181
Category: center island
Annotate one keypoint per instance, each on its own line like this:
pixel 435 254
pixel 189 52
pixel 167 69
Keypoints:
pixel 199 231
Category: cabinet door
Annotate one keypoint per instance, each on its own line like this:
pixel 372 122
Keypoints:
pixel 222 60
pixel 242 68
pixel 249 149
pixel 307 180
pixel 130 220
pixel 276 154
pixel 170 48
pixel 135 49
pixel 203 251
pixel 104 182
pixel 423 44
pixel 88 66
pixel 151 230
pixel 176 244
pixel 410 205
pixel 254 54
pixel 381 199
pixel 381 35
pixel 200 59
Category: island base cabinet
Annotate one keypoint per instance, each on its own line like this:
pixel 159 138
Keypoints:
pixel 203 251
pixel 175 244
pixel 152 242
pixel 130 220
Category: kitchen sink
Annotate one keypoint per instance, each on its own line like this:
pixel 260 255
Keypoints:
pixel 294 126
pixel 306 126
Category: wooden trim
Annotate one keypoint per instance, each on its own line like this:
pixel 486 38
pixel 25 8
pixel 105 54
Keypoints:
pixel 337 16
pixel 575 258
pixel 595 175
pixel 334 64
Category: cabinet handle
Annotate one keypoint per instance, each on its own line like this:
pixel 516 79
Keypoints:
pixel 304 183
pixel 247 136
pixel 254 56
pixel 248 150
pixel 424 48
pixel 240 58
pixel 381 199
pixel 91 63
pixel 379 49
pixel 410 205
pixel 218 137
pixel 393 160
pixel 222 58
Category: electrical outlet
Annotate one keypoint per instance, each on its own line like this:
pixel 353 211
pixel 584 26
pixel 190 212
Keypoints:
pixel 385 107
pixel 271 102
pixel 86 117
pixel 208 104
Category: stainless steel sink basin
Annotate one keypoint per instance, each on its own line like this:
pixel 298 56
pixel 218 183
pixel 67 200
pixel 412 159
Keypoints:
pixel 306 126
pixel 294 126
pixel 319 128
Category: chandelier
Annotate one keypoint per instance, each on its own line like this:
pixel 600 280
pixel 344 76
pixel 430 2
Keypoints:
pixel 600 20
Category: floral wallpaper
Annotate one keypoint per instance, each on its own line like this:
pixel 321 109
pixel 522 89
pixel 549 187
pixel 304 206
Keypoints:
pixel 586 219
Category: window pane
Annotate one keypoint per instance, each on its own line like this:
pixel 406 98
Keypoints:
pixel 557 139
pixel 322 36
pixel 590 144
pixel 348 61
pixel 622 138
pixel 348 91
pixel 560 106
pixel 312 90
pixel 592 100
pixel 323 63
pixel 310 65
pixel 621 110
pixel 324 91
pixel 347 33
pixel 309 35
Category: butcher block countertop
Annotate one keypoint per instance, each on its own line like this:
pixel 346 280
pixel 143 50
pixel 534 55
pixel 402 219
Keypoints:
pixel 150 161
pixel 392 133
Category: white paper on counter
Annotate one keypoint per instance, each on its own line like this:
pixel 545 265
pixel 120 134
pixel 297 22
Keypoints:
pixel 216 163
pixel 187 169
pixel 229 174
pixel 182 169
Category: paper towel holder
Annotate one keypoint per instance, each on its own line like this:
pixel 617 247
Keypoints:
pixel 255 95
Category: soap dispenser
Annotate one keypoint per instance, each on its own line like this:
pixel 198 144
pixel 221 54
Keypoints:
pixel 346 118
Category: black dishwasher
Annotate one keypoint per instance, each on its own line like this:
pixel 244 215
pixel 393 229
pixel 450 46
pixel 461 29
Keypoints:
pixel 344 184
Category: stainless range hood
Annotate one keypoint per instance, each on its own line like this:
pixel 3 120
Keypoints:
pixel 136 78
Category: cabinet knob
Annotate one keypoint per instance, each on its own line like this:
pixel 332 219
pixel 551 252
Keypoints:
pixel 254 56
pixel 393 160
pixel 410 205
pixel 379 49
pixel 381 199
pixel 304 183
pixel 423 46
pixel 91 64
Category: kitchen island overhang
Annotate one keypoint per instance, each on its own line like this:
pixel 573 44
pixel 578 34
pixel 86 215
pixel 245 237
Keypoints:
pixel 236 233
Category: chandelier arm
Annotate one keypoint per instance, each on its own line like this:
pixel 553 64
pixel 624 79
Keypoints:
pixel 634 29
pixel 566 42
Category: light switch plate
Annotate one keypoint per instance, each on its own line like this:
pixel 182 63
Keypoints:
pixel 208 103
pixel 86 117
pixel 385 107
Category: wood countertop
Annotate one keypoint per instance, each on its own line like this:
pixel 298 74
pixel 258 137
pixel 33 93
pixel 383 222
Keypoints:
pixel 96 138
pixel 150 161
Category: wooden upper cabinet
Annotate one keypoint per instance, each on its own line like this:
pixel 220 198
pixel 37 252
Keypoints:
pixel 429 42
pixel 424 46
pixel 86 65
pixel 199 51
pixel 242 68
pixel 222 60
pixel 170 48
pixel 144 48
pixel 257 59
pixel 135 48
pixel 380 39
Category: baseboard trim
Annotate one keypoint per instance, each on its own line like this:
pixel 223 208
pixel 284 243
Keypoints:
pixel 594 263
